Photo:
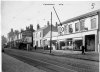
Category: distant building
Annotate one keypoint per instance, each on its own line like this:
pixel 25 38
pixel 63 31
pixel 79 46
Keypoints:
pixel 25 36
pixel 38 35
pixel 10 39
pixel 4 41
pixel 11 36
pixel 80 30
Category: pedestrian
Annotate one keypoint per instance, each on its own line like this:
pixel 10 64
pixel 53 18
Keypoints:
pixel 47 46
pixel 83 49
pixel 35 47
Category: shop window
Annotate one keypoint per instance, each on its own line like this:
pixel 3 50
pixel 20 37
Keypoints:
pixel 65 29
pixel 82 24
pixel 69 42
pixel 93 23
pixel 70 28
pixel 77 26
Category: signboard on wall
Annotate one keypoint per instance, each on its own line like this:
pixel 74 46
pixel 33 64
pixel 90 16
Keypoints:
pixel 28 39
pixel 62 29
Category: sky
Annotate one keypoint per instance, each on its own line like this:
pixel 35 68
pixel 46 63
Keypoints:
pixel 19 14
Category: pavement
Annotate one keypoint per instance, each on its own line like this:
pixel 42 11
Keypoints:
pixel 10 64
pixel 91 55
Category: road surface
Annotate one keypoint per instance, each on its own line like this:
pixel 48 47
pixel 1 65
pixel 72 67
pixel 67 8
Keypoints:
pixel 52 63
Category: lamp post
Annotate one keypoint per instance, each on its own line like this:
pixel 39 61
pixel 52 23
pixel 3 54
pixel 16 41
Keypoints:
pixel 51 34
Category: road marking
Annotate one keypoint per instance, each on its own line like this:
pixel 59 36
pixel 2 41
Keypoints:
pixel 48 63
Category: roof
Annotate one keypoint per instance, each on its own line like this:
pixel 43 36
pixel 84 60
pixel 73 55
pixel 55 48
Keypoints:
pixel 42 28
pixel 53 34
pixel 82 16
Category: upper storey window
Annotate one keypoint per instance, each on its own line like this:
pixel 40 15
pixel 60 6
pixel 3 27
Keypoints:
pixel 93 23
pixel 70 28
pixel 82 24
pixel 77 26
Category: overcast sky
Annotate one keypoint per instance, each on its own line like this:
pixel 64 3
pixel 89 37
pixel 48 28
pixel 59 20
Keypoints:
pixel 19 14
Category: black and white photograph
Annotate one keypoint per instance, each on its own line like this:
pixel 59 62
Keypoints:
pixel 50 36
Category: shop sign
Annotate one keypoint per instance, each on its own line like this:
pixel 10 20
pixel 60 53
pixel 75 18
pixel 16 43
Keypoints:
pixel 62 29
pixel 28 39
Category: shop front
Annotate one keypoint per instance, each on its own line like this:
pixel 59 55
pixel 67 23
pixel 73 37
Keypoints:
pixel 75 41
pixel 70 44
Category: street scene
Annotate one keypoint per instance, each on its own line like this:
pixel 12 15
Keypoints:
pixel 50 36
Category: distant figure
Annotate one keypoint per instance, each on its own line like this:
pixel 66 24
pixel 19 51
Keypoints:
pixel 47 46
pixel 35 47
pixel 83 49
pixel 3 50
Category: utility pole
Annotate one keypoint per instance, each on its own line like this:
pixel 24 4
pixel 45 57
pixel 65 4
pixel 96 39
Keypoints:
pixel 51 34
pixel 51 25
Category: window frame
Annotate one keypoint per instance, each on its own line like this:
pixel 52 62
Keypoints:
pixel 70 26
pixel 78 26
pixel 92 24
pixel 81 24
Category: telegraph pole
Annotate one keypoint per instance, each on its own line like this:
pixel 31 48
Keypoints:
pixel 51 25
pixel 51 34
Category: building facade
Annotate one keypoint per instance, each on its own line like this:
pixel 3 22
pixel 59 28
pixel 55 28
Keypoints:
pixel 48 37
pixel 80 30
pixel 16 38
pixel 38 35
pixel 37 38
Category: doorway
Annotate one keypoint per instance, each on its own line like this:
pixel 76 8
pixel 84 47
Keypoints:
pixel 90 42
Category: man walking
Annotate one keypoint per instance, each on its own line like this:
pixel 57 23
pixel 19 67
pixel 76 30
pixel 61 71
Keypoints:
pixel 83 49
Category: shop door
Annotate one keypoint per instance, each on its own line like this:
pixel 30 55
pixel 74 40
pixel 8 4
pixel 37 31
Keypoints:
pixel 90 42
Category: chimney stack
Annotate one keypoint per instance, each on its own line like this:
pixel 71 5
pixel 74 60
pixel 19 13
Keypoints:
pixel 38 26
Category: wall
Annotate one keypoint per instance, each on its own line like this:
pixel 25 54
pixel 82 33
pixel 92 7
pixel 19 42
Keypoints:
pixel 36 37
pixel 43 31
